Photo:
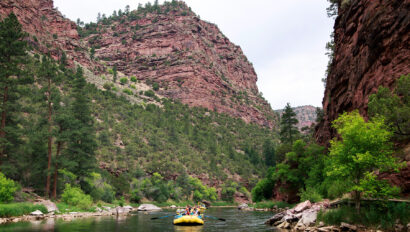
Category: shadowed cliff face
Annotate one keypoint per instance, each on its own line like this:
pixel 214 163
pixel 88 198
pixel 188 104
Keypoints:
pixel 190 59
pixel 371 49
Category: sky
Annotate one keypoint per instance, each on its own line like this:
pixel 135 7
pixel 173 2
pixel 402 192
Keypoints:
pixel 284 39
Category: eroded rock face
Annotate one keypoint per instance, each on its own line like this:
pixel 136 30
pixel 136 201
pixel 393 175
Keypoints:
pixel 190 59
pixel 49 31
pixel 371 49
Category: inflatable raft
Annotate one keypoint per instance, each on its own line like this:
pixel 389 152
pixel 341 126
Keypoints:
pixel 188 220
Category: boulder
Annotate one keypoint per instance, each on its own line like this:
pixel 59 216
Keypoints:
pixel 243 206
pixel 347 227
pixel 107 208
pixel 308 217
pixel 36 213
pixel 128 207
pixel 277 217
pixel 284 225
pixel 98 209
pixel 172 206
pixel 302 206
pixel 148 207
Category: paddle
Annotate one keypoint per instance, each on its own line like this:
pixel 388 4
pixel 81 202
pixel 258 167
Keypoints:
pixel 161 217
pixel 220 219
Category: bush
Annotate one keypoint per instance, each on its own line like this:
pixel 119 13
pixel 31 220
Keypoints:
pixel 107 86
pixel 310 194
pixel 19 209
pixel 133 79
pixel 123 80
pixel 127 91
pixel 7 188
pixel 376 214
pixel 76 197
pixel 149 93
pixel 155 86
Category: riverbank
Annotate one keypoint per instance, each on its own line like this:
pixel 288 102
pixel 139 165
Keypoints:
pixel 105 211
pixel 322 216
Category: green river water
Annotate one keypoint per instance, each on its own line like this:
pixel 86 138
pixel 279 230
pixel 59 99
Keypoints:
pixel 235 221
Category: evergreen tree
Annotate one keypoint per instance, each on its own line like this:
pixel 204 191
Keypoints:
pixel 288 130
pixel 269 153
pixel 48 72
pixel 81 139
pixel 12 55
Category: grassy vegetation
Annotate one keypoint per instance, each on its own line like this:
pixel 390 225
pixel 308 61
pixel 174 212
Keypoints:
pixel 271 204
pixel 19 209
pixel 224 203
pixel 65 208
pixel 374 215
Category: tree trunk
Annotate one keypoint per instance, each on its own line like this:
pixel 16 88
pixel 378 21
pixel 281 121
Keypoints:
pixel 357 200
pixel 3 120
pixel 50 140
pixel 56 171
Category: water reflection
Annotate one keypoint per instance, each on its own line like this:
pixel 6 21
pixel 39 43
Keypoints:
pixel 235 221
pixel 188 228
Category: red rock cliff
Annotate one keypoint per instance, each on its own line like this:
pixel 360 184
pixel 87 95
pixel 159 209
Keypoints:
pixel 190 59
pixel 371 49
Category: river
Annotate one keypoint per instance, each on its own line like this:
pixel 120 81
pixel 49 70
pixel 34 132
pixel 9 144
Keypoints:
pixel 236 220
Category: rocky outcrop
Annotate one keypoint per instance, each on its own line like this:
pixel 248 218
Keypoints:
pixel 148 207
pixel 371 49
pixel 190 60
pixel 49 31
pixel 300 217
pixel 306 115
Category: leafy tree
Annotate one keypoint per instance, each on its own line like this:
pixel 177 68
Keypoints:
pixel 7 189
pixel 288 130
pixel 12 55
pixel 393 106
pixel 364 147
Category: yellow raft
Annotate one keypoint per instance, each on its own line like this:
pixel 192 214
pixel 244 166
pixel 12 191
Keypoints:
pixel 188 220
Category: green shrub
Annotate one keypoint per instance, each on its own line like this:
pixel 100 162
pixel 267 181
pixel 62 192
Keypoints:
pixel 124 80
pixel 76 197
pixel 7 188
pixel 310 194
pixel 107 86
pixel 19 209
pixel 133 79
pixel 155 86
pixel 149 93
pixel 132 87
pixel 373 215
pixel 127 91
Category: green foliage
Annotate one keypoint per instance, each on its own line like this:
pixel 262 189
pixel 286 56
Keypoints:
pixel 263 189
pixel 288 121
pixel 382 215
pixel 133 79
pixel 99 189
pixel 149 93
pixel 394 107
pixel 128 91
pixel 76 197
pixel 310 194
pixel 20 209
pixel 363 148
pixel 123 80
pixel 155 86
pixel 7 189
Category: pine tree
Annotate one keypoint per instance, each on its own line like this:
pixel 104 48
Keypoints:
pixel 12 55
pixel 81 139
pixel 288 130
pixel 48 73
pixel 269 152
